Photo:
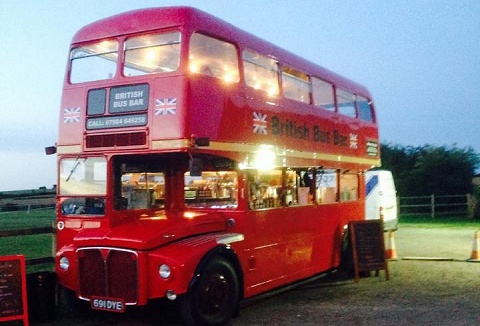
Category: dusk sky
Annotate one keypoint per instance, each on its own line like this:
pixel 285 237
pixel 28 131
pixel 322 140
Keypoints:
pixel 420 60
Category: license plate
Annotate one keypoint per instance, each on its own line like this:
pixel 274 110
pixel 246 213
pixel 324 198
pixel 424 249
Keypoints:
pixel 107 304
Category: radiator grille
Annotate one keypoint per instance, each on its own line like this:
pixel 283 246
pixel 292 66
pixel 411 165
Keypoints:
pixel 116 140
pixel 106 272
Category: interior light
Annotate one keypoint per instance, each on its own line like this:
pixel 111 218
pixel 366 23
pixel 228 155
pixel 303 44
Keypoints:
pixel 265 158
pixel 228 77
pixel 150 56
pixel 193 67
pixel 272 91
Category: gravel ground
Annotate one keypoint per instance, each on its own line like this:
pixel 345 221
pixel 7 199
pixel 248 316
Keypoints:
pixel 419 292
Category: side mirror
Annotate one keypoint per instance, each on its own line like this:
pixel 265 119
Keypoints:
pixel 50 150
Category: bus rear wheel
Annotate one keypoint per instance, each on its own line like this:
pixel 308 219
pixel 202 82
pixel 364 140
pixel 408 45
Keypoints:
pixel 214 297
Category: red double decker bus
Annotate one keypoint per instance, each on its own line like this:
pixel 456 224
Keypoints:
pixel 199 163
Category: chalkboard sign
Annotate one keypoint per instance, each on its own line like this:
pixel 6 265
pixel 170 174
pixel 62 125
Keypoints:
pixel 368 247
pixel 13 294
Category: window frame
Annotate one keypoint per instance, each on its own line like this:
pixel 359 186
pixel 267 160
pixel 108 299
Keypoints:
pixel 154 46
pixel 210 65
pixel 261 63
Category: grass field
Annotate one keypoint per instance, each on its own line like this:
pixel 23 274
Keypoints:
pixel 23 219
pixel 32 246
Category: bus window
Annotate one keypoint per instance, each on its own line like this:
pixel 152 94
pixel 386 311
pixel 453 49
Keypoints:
pixel 153 53
pixel 346 103
pixel 364 109
pixel 261 72
pixel 96 101
pixel 83 176
pixel 213 189
pixel 93 62
pixel 212 57
pixel 83 180
pixel 323 94
pixel 348 186
pixel 295 85
pixel 141 190
pixel 264 189
pixel 326 186
pixel 305 186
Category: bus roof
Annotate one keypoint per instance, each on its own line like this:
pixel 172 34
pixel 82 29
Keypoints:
pixel 144 20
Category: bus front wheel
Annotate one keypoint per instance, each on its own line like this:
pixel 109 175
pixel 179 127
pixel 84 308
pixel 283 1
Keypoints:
pixel 214 297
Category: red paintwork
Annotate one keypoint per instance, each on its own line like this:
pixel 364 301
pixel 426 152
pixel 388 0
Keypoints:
pixel 281 245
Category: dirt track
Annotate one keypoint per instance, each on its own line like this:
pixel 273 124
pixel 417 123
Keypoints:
pixel 419 292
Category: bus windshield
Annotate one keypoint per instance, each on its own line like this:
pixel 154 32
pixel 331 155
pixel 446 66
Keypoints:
pixel 83 181
pixel 83 176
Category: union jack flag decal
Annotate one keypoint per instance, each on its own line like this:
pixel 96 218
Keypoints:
pixel 71 115
pixel 165 106
pixel 259 123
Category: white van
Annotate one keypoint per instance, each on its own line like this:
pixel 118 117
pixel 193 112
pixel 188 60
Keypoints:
pixel 381 198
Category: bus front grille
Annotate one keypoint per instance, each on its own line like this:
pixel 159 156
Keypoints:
pixel 108 273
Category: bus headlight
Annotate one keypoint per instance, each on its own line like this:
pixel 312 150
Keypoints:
pixel 64 264
pixel 164 271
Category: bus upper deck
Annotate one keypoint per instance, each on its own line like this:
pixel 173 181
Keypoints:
pixel 154 85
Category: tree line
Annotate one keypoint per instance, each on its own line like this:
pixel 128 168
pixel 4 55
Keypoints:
pixel 426 170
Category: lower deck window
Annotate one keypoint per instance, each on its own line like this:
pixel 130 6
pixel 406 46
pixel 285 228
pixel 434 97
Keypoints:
pixel 300 186
pixel 213 189
pixel 142 190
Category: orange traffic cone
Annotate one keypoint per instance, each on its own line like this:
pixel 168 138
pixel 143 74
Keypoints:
pixel 391 251
pixel 475 256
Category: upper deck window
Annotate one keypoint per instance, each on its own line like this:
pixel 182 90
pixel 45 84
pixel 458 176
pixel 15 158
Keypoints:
pixel 365 111
pixel 96 61
pixel 153 53
pixel 261 72
pixel 346 103
pixel 212 57
pixel 323 94
pixel 296 85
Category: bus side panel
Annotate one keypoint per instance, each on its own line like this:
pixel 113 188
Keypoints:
pixel 316 235
pixel 293 243
pixel 216 109
pixel 168 109
pixel 263 252
pixel 72 117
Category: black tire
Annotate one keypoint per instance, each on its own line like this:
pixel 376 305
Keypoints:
pixel 214 296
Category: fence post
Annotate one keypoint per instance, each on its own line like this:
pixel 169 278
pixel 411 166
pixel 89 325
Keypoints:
pixel 471 203
pixel 432 204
